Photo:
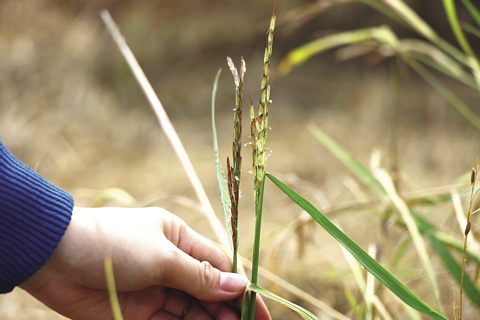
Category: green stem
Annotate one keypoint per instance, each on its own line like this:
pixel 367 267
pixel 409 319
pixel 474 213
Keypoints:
pixel 467 231
pixel 256 244
pixel 451 12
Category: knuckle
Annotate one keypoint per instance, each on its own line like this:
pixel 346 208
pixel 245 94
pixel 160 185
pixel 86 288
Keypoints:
pixel 208 276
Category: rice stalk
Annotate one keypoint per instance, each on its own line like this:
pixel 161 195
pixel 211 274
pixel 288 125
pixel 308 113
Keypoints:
pixel 234 171
pixel 258 132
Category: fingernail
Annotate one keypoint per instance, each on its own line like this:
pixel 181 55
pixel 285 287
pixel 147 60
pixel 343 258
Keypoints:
pixel 232 282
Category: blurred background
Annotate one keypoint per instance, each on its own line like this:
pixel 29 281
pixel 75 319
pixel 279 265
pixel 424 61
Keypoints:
pixel 71 109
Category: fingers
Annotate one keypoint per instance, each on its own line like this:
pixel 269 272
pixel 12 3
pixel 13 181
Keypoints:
pixel 207 283
pixel 197 266
pixel 160 303
pixel 194 244
pixel 261 311
pixel 185 307
pixel 198 278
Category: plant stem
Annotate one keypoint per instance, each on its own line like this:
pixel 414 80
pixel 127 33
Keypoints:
pixel 467 231
pixel 258 131
pixel 256 244
pixel 234 171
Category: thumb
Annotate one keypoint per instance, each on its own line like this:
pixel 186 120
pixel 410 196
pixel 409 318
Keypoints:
pixel 199 278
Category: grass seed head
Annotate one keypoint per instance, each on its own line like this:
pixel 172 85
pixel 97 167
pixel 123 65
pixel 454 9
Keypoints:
pixel 473 176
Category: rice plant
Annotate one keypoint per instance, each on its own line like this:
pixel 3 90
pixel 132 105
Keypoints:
pixel 422 231
pixel 258 132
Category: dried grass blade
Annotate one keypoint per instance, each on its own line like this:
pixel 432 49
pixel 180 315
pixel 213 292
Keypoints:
pixel 434 57
pixel 418 24
pixel 412 19
pixel 167 127
pixel 387 183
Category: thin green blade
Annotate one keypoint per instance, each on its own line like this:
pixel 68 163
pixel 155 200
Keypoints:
pixel 297 56
pixel 362 257
pixel 474 12
pixel 221 178
pixel 301 311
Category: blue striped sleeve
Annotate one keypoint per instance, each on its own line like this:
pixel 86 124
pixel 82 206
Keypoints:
pixel 34 215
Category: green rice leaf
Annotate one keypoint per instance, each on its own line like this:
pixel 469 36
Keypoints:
pixel 382 34
pixel 451 12
pixel 473 62
pixel 301 311
pixel 221 178
pixel 372 266
pixel 438 241
pixel 474 12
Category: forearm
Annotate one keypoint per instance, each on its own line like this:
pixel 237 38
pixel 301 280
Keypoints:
pixel 34 215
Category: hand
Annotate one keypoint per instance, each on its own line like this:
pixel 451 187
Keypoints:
pixel 163 269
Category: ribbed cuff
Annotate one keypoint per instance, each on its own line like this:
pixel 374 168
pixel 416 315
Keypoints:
pixel 34 215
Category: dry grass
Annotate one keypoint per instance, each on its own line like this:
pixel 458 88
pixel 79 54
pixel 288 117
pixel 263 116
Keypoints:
pixel 70 108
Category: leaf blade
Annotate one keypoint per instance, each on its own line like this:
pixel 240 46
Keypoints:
pixel 221 178
pixel 304 313
pixel 362 257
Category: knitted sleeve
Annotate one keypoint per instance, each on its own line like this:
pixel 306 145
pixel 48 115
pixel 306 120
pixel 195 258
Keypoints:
pixel 34 215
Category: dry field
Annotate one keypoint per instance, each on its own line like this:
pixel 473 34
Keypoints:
pixel 70 108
